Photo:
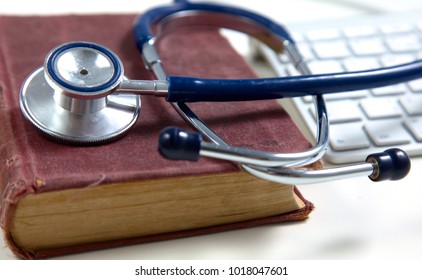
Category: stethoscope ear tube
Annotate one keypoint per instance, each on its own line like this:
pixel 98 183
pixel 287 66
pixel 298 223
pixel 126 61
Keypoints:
pixel 392 164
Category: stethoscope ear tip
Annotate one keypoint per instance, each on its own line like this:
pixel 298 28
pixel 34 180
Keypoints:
pixel 392 164
pixel 177 144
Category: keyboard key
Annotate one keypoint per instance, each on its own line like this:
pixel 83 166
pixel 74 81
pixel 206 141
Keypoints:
pixel 341 111
pixel 387 133
pixel 379 108
pixel 332 49
pixel 403 43
pixel 415 85
pixel 397 27
pixel 367 46
pixel 357 94
pixel 389 90
pixel 306 51
pixel 391 60
pixel 412 104
pixel 349 136
pixel 415 127
pixel 360 63
pixel 325 66
pixel 360 31
pixel 323 34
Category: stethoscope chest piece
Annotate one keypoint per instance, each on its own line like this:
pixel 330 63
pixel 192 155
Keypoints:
pixel 70 99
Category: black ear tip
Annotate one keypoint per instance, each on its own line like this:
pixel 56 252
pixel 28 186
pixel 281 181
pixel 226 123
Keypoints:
pixel 168 137
pixel 402 163
pixel 177 144
pixel 392 164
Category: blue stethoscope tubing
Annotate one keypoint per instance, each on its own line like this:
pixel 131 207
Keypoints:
pixel 191 89
pixel 199 90
pixel 143 25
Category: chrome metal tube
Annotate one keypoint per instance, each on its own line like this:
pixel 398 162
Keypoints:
pixel 144 87
pixel 184 111
pixel 303 176
pixel 254 157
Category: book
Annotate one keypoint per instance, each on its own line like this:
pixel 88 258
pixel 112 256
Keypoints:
pixel 61 199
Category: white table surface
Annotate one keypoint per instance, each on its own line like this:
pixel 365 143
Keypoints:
pixel 353 219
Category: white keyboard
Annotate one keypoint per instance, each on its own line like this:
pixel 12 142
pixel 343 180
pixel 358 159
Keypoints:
pixel 367 121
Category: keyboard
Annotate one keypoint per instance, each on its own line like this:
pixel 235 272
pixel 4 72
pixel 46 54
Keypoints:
pixel 366 121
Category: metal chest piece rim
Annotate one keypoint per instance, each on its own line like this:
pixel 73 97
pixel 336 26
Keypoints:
pixel 69 98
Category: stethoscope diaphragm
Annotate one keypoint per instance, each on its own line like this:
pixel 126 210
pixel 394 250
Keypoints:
pixel 69 97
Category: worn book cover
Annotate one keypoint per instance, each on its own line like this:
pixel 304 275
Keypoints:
pixel 58 199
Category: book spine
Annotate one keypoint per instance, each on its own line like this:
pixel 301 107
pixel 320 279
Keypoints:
pixel 13 184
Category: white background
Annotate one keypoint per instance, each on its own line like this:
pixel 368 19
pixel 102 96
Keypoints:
pixel 353 219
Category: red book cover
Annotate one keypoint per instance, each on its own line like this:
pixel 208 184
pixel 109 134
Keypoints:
pixel 32 163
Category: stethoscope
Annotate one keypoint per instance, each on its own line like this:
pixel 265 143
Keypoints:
pixel 80 95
